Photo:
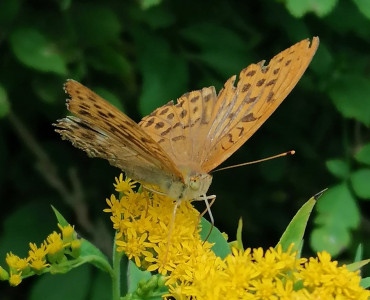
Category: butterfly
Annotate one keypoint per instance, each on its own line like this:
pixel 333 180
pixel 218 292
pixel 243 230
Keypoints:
pixel 177 145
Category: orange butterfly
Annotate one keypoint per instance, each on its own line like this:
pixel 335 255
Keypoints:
pixel 177 145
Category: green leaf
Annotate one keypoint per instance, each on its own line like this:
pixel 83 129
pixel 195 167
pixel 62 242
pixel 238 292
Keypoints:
pixel 221 247
pixel 320 7
pixel 359 253
pixel 89 253
pixel 363 156
pixel 110 60
pixel 158 66
pixel 361 183
pixel 323 60
pixel 48 89
pixel 74 286
pixel 211 40
pixel 135 275
pixel 338 207
pixel 351 96
pixel 365 282
pixel 356 23
pixel 92 255
pixel 101 287
pixel 4 103
pixel 96 24
pixel 238 243
pixel 333 239
pixel 34 50
pixel 215 59
pixel 159 17
pixel 338 168
pixel 357 265
pixel 64 4
pixel 337 215
pixel 210 36
pixel 296 228
pixel 61 220
pixel 364 7
pixel 146 4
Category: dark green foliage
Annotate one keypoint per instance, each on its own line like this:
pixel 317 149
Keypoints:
pixel 61 286
pixel 141 54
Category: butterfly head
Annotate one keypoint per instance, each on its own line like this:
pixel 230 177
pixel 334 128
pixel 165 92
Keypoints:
pixel 195 185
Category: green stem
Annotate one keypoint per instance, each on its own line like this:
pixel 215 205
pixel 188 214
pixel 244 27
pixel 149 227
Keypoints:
pixel 116 278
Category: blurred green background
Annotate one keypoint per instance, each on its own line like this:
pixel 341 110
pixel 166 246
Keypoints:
pixel 141 54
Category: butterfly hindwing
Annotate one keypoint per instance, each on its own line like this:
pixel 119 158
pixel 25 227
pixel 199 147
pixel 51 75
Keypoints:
pixel 103 131
pixel 181 129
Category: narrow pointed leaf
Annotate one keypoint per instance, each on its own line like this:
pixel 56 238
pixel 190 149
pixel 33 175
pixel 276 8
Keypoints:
pixel 221 247
pixel 296 228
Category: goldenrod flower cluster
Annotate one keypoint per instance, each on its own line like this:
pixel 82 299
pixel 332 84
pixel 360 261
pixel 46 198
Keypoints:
pixel 143 222
pixel 51 253
pixel 274 274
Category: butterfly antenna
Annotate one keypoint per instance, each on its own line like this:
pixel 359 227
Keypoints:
pixel 291 152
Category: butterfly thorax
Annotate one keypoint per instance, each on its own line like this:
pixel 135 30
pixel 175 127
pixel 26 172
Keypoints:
pixel 194 185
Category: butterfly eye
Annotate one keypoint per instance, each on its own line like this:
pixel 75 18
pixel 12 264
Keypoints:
pixel 194 183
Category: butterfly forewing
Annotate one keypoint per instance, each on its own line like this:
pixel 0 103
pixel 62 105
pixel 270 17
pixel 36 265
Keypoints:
pixel 202 130
pixel 241 110
pixel 103 131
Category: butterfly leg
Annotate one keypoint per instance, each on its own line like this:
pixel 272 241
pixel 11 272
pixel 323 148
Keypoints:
pixel 208 209
pixel 153 191
pixel 171 229
pixel 213 199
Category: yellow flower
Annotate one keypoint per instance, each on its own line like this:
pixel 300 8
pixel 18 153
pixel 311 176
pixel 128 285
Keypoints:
pixel 15 279
pixel 178 292
pixel 124 186
pixel 38 265
pixel 134 246
pixel 267 264
pixel 22 264
pixel 51 253
pixel 12 260
pixel 114 204
pixel 289 258
pixel 240 270
pixel 76 248
pixel 37 253
pixel 145 230
pixel 55 248
pixel 264 288
pixel 322 274
pixel 284 289
pixel 162 261
pixel 67 232
pixel 148 233
pixel 54 243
